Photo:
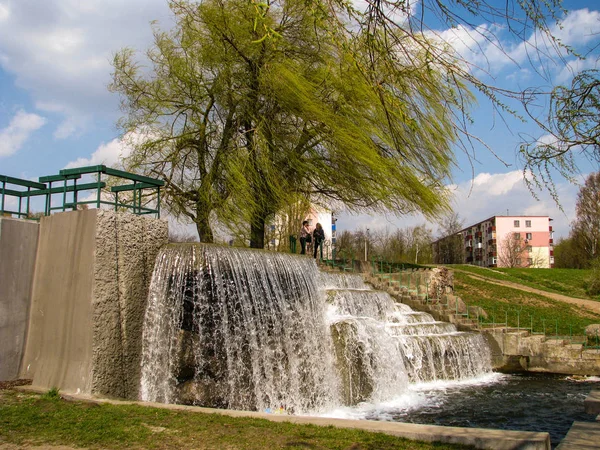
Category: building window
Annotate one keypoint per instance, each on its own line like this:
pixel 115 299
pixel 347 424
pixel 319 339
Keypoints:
pixel 529 248
pixel 518 261
pixel 528 223
pixel 529 261
pixel 517 236
pixel 528 236
pixel 517 223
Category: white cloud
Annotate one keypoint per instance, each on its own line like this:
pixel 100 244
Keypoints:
pixel 490 48
pixel 485 196
pixel 18 131
pixel 63 48
pixel 581 26
pixel 109 154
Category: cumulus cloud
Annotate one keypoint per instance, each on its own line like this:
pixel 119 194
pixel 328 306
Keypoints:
pixel 18 131
pixel 109 154
pixel 490 48
pixel 485 196
pixel 63 50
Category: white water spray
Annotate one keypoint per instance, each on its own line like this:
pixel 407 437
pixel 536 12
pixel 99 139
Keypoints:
pixel 246 329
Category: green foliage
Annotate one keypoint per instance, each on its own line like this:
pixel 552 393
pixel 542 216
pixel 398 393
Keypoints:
pixel 592 283
pixel 249 108
pixel 31 419
pixel 52 394
pixel 567 254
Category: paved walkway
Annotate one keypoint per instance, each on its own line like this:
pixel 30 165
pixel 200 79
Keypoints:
pixel 584 435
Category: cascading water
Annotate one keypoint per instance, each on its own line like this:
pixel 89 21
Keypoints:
pixel 246 329
pixel 420 347
pixel 237 329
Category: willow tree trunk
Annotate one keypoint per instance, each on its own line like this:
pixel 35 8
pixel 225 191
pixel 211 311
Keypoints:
pixel 257 233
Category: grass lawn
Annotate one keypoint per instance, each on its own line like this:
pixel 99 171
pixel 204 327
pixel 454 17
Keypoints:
pixel 523 309
pixel 561 281
pixel 32 419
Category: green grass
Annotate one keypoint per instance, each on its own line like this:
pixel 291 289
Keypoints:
pixel 36 419
pixel 523 309
pixel 568 282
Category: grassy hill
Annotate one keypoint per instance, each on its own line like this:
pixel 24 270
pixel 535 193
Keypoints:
pixel 539 312
pixel 561 281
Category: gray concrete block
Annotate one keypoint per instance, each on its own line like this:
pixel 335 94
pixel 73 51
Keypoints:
pixel 18 245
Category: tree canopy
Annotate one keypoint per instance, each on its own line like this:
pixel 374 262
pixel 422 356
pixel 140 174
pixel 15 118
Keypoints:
pixel 246 108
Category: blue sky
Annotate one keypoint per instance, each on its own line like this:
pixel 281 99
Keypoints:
pixel 55 109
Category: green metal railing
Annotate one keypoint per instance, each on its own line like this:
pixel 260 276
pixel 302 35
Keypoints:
pixel 18 193
pixel 70 188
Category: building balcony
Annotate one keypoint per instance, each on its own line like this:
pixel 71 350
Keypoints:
pixel 469 249
pixel 492 242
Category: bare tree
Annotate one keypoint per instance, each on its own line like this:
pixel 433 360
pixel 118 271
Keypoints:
pixel 513 252
pixel 450 249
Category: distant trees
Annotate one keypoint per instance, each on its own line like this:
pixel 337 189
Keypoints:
pixel 567 254
pixel 409 245
pixel 450 249
pixel 586 227
pixel 582 247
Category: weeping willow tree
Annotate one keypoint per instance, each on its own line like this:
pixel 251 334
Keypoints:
pixel 248 108
pixel 571 128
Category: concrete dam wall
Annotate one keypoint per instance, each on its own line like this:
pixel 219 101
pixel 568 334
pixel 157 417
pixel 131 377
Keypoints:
pixel 87 299
pixel 18 245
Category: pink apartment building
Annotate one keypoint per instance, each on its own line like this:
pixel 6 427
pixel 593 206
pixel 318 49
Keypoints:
pixel 504 241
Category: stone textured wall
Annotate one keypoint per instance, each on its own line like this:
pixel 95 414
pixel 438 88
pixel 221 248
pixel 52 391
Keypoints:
pixel 126 247
pixel 520 351
pixel 18 245
pixel 93 270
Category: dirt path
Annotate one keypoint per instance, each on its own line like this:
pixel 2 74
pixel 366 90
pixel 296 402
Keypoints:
pixel 589 305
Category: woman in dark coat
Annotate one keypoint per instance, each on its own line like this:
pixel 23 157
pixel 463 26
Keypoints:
pixel 318 238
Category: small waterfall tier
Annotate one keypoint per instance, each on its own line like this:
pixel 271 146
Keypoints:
pixel 377 339
pixel 255 330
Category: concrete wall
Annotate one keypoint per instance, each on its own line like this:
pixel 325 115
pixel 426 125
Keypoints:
pixel 89 293
pixel 18 244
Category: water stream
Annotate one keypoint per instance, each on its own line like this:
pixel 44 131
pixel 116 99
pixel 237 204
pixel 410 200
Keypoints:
pixel 244 329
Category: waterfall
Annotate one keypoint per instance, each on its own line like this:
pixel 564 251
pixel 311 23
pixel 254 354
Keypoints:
pixel 237 328
pixel 255 330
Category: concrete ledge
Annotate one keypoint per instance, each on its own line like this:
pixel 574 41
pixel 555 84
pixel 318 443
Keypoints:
pixel 582 435
pixel 592 403
pixel 480 438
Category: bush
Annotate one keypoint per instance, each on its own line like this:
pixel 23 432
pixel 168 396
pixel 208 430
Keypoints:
pixel 592 284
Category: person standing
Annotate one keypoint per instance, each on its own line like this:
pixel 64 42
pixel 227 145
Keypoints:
pixel 304 237
pixel 318 238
